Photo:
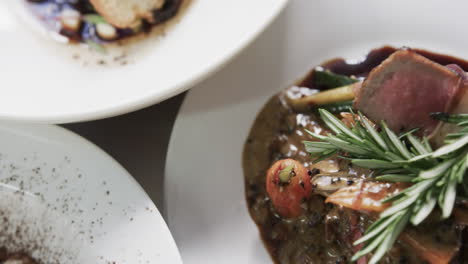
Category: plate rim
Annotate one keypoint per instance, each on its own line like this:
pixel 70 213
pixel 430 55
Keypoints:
pixel 184 115
pixel 154 96
pixel 47 131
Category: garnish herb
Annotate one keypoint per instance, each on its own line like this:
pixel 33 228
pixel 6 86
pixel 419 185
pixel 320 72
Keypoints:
pixel 286 174
pixel 437 175
pixel 94 19
pixel 328 79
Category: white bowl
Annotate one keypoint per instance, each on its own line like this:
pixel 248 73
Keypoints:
pixel 67 201
pixel 204 180
pixel 42 83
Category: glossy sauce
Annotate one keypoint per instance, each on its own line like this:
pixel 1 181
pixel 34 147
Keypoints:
pixel 325 232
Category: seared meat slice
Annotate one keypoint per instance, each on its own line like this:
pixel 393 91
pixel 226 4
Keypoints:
pixel 404 89
pixel 126 13
pixel 458 105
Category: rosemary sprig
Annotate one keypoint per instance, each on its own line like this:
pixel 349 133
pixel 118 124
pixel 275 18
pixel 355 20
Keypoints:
pixel 436 175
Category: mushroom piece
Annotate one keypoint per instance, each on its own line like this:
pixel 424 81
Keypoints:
pixel 106 31
pixel 70 19
pixel 326 184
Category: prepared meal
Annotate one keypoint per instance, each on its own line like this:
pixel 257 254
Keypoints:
pixel 364 162
pixel 102 21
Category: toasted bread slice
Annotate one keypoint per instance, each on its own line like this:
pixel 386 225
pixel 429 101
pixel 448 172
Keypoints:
pixel 126 13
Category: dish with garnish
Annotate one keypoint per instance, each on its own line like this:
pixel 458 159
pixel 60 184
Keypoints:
pixel 49 81
pixel 357 162
pixel 364 162
pixel 63 200
pixel 98 22
pixel 205 182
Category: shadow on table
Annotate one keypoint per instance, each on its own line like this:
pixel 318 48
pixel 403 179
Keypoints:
pixel 138 141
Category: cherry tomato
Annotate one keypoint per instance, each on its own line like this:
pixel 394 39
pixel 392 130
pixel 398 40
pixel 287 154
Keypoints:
pixel 288 185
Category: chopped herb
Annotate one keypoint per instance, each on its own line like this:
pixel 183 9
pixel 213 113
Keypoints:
pixel 286 174
pixel 94 19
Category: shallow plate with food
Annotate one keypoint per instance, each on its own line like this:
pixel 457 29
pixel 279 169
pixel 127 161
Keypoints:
pixel 264 175
pixel 75 60
pixel 63 200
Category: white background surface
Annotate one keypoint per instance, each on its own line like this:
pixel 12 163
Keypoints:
pixel 204 182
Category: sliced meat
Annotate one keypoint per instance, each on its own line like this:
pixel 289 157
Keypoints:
pixel 435 245
pixel 126 13
pixel 458 105
pixel 404 89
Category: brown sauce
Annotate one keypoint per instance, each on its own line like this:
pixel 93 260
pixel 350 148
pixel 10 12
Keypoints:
pixel 323 234
pixel 17 258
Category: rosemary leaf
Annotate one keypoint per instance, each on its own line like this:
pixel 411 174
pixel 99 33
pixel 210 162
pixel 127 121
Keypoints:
pixel 381 226
pixel 437 170
pixel 408 201
pixel 424 211
pixel 394 231
pixel 371 246
pixel 418 145
pixel 449 198
pixel 448 118
pixel 325 155
pixel 337 126
pixel 373 132
pixel 375 164
pixel 450 148
pixel 396 142
pixel 395 178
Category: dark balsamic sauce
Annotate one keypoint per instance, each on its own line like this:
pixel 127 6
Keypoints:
pixel 372 60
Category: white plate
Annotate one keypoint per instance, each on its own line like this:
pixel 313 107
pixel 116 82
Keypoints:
pixel 76 200
pixel 204 181
pixel 41 83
